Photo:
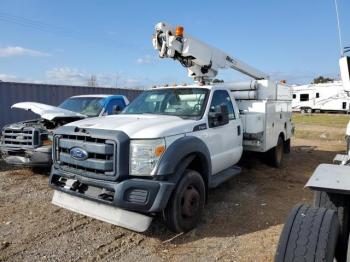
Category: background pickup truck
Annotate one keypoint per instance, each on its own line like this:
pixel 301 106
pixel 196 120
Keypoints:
pixel 28 143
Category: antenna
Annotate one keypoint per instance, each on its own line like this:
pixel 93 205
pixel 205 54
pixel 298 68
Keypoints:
pixel 339 31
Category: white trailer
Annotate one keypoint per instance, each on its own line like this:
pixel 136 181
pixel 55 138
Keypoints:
pixel 326 97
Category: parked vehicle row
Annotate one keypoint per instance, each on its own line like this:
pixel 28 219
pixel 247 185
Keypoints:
pixel 29 143
pixel 163 152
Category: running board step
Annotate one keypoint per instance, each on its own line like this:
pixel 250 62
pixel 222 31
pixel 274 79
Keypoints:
pixel 117 216
pixel 216 180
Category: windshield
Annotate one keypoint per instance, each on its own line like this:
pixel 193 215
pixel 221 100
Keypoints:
pixel 182 102
pixel 89 106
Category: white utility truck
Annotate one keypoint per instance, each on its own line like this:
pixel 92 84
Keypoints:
pixel 169 146
pixel 321 232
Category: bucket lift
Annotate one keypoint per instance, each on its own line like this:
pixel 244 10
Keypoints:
pixel 201 60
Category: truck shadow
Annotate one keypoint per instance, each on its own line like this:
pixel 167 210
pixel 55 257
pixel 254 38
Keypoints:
pixel 35 170
pixel 260 197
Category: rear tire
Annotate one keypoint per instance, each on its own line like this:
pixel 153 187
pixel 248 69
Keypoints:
pixel 275 155
pixel 186 204
pixel 309 234
pixel 340 204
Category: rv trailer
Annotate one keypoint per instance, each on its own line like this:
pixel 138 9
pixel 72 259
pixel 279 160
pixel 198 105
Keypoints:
pixel 325 97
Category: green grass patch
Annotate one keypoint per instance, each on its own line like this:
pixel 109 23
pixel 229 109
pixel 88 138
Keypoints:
pixel 317 135
pixel 332 120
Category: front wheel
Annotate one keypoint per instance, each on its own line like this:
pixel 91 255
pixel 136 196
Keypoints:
pixel 186 204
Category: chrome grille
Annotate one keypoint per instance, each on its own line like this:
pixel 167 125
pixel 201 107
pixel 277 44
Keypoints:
pixel 27 137
pixel 99 161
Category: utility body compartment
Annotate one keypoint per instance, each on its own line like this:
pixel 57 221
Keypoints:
pixel 265 115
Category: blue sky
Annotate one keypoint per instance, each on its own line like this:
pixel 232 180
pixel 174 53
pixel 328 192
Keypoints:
pixel 65 42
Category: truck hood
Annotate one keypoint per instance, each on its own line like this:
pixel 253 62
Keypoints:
pixel 140 126
pixel 46 111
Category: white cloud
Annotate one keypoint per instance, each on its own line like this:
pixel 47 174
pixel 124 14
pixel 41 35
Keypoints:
pixel 66 75
pixel 73 76
pixel 8 78
pixel 147 59
pixel 20 51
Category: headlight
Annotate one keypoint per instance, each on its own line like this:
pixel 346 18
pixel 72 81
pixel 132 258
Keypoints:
pixel 144 155
pixel 46 139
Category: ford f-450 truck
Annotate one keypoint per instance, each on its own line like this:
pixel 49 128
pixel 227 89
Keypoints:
pixel 28 143
pixel 169 146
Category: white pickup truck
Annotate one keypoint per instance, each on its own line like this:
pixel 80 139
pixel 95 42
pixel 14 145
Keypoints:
pixel 166 150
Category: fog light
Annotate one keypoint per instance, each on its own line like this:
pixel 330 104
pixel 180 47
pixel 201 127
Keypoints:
pixel 138 196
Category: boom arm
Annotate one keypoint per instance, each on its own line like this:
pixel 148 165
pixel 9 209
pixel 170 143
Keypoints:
pixel 201 60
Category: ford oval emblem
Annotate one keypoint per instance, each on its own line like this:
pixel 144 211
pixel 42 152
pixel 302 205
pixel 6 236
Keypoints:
pixel 78 153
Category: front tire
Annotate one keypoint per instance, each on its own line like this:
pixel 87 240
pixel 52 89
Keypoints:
pixel 186 204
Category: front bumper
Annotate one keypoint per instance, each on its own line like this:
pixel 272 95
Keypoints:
pixel 40 156
pixel 131 220
pixel 134 194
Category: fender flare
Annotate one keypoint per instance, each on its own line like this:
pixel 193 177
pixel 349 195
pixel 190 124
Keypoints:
pixel 180 153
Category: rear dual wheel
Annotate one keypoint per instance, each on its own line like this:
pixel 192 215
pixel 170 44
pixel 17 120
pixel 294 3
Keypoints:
pixel 341 204
pixel 310 234
pixel 275 155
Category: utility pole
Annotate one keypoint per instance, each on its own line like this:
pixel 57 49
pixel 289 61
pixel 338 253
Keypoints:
pixel 116 81
pixel 339 31
pixel 92 82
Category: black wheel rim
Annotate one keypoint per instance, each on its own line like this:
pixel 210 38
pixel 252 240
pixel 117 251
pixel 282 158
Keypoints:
pixel 190 202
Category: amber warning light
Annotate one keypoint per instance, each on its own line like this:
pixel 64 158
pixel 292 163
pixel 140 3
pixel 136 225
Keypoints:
pixel 179 31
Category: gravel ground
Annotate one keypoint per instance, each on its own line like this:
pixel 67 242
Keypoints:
pixel 241 222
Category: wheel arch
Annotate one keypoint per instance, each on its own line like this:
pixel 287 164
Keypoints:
pixel 186 152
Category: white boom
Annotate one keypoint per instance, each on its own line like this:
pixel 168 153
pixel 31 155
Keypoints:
pixel 201 60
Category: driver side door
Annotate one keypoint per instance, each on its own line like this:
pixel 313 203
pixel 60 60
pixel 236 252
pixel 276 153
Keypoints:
pixel 224 142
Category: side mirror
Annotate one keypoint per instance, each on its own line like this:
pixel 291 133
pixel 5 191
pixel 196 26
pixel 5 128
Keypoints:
pixel 116 109
pixel 219 117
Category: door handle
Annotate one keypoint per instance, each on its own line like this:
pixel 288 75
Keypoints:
pixel 239 130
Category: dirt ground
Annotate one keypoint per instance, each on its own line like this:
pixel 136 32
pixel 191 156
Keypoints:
pixel 242 220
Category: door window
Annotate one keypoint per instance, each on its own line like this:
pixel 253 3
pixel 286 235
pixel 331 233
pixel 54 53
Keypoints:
pixel 221 97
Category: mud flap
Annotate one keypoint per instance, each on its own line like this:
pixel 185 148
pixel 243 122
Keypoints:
pixel 120 217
